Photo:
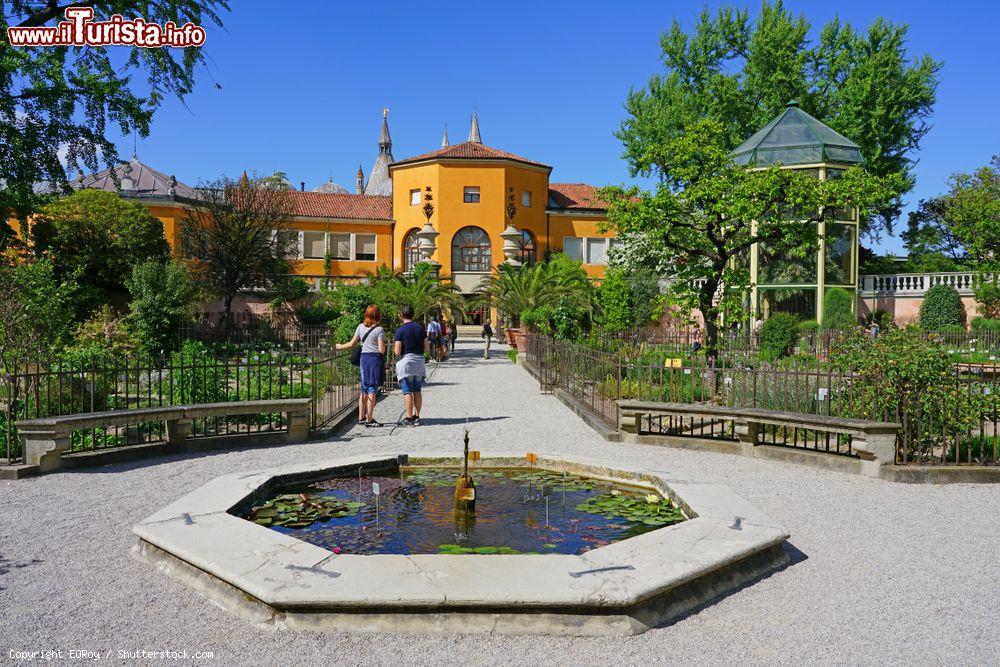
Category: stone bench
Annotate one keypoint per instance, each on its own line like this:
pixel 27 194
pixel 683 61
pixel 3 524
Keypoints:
pixel 46 438
pixel 873 441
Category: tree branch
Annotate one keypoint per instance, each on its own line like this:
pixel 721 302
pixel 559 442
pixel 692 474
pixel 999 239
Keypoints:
pixel 52 10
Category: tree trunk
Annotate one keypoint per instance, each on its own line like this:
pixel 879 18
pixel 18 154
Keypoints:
pixel 710 313
pixel 227 315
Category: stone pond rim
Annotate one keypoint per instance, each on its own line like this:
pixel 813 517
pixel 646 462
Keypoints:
pixel 627 587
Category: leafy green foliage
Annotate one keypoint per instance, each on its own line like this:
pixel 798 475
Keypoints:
pixel 903 371
pixel 197 376
pixel 615 299
pixel 779 336
pixel 554 296
pixel 711 212
pixel 104 334
pixel 36 308
pixel 985 324
pixel 161 295
pixel 96 237
pixel 297 510
pixel 740 72
pixel 237 233
pixel 838 310
pixel 987 294
pixel 942 307
pixel 57 105
pixel 973 213
pixel 316 314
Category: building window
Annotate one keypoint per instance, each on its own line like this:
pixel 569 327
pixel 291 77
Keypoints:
pixel 471 250
pixel 597 251
pixel 573 247
pixel 286 244
pixel 313 245
pixel 525 198
pixel 470 194
pixel 414 197
pixel 527 249
pixel 364 247
pixel 340 246
pixel 593 250
pixel 411 249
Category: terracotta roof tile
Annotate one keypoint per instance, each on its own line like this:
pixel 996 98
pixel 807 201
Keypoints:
pixel 350 207
pixel 574 195
pixel 470 150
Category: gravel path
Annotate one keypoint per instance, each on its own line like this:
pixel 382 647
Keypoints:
pixel 888 573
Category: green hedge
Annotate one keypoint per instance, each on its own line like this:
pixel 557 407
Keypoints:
pixel 779 336
pixel 942 307
pixel 838 310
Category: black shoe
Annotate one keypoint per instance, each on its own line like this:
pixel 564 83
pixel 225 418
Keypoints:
pixel 415 422
pixel 373 424
pixel 407 421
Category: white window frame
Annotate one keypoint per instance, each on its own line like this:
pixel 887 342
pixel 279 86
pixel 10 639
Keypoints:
pixel 354 246
pixel 585 242
pixel 471 190
pixel 326 243
pixel 415 197
pixel 331 244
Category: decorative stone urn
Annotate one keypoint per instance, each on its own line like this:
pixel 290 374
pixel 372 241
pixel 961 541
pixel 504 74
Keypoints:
pixel 427 245
pixel 511 249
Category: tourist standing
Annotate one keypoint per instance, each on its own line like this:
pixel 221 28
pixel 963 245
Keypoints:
pixel 372 338
pixel 410 345
pixel 487 336
pixel 434 335
pixel 453 334
pixel 445 339
pixel 697 339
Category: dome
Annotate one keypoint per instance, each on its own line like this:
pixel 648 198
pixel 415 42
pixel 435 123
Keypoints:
pixel 793 138
pixel 331 188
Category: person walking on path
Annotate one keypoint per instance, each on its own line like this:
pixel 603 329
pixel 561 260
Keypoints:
pixel 410 345
pixel 434 335
pixel 453 334
pixel 372 339
pixel 445 340
pixel 487 336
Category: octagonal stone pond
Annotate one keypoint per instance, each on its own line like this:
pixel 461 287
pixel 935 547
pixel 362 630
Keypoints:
pixel 366 544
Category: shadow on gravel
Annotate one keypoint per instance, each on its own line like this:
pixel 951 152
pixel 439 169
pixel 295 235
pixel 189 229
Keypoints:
pixel 443 421
pixel 795 556
pixel 6 566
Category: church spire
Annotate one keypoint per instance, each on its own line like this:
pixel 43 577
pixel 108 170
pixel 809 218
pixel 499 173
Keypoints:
pixel 379 182
pixel 444 137
pixel 474 136
pixel 360 187
pixel 384 141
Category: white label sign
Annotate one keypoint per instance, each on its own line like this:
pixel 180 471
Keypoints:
pixel 375 488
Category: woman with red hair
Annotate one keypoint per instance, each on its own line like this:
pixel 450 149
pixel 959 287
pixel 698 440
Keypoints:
pixel 372 338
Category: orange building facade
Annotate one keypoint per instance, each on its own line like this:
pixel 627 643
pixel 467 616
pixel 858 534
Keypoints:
pixel 345 235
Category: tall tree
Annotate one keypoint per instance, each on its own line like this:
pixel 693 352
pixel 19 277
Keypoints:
pixel 712 211
pixel 973 213
pixel 238 235
pixel 929 241
pixel 57 104
pixel 741 72
pixel 95 237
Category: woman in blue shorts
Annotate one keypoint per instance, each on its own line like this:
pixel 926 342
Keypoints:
pixel 372 338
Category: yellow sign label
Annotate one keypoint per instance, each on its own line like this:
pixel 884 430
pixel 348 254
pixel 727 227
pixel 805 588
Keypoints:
pixel 531 457
pixel 473 455
pixel 673 363
pixel 468 493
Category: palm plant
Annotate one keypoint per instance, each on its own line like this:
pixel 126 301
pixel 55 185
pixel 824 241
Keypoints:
pixel 427 292
pixel 517 290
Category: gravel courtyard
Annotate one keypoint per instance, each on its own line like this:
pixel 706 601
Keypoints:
pixel 882 572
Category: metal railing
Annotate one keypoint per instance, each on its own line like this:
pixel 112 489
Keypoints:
pixel 53 387
pixel 931 433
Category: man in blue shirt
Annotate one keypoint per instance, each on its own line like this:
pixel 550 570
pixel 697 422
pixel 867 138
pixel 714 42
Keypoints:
pixel 410 345
pixel 434 336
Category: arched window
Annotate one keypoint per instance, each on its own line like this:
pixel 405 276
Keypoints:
pixel 471 250
pixel 527 249
pixel 411 249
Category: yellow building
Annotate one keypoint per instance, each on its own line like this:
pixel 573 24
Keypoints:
pixel 471 184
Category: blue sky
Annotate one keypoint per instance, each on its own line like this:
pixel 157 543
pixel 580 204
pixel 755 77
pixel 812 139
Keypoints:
pixel 303 84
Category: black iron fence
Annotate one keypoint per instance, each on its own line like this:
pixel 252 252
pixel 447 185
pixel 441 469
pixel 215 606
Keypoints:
pixel 41 388
pixel 249 329
pixel 956 423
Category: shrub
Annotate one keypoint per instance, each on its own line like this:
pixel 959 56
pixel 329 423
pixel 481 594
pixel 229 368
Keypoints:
pixel 161 294
pixel 807 327
pixel 985 324
pixel 838 310
pixel 951 329
pixel 615 299
pixel 988 297
pixel 197 377
pixel 316 314
pixel 942 306
pixel 512 355
pixel 779 336
pixel 884 319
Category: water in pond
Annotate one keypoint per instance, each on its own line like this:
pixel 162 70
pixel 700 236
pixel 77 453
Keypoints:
pixel 517 511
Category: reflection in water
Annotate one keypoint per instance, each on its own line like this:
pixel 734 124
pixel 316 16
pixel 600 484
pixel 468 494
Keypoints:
pixel 517 511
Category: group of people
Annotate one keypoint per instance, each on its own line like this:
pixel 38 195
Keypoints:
pixel 442 336
pixel 412 346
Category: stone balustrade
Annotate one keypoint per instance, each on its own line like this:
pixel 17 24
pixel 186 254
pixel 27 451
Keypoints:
pixel 916 284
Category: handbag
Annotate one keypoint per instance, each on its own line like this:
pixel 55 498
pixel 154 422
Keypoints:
pixel 356 352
